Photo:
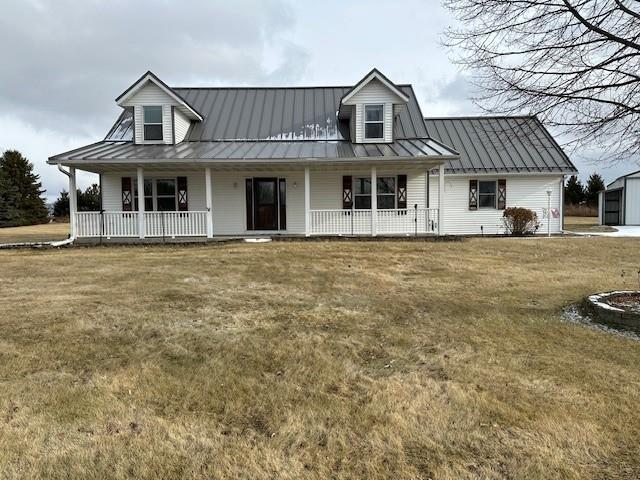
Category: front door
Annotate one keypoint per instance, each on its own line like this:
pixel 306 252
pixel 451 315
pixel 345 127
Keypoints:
pixel 265 206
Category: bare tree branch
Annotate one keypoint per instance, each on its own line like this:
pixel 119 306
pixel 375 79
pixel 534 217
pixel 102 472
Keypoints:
pixel 574 63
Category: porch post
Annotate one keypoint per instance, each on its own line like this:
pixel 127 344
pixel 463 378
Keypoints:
pixel 307 202
pixel 73 202
pixel 209 201
pixel 441 199
pixel 374 202
pixel 141 229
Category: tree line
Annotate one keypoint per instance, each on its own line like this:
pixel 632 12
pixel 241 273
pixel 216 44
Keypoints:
pixel 575 193
pixel 21 200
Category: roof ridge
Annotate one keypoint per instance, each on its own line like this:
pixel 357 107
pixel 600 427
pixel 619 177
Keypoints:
pixel 465 117
pixel 293 87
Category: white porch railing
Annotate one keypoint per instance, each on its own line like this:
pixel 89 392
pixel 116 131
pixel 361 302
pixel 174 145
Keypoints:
pixel 175 224
pixel 157 224
pixel 410 221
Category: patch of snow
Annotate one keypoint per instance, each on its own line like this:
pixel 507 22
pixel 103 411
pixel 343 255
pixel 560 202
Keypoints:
pixel 257 240
pixel 600 298
pixel 574 314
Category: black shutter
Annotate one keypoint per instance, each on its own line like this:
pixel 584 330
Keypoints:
pixel 402 191
pixel 282 195
pixel 502 194
pixel 183 197
pixel 127 194
pixel 473 195
pixel 249 196
pixel 347 192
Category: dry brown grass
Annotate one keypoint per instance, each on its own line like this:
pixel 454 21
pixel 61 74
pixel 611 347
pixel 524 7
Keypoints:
pixel 316 360
pixel 34 233
pixel 580 210
pixel 585 225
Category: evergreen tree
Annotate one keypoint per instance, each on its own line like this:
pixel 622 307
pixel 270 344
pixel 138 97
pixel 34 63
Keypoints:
pixel 61 205
pixel 574 191
pixel 9 214
pixel 24 188
pixel 595 184
pixel 89 200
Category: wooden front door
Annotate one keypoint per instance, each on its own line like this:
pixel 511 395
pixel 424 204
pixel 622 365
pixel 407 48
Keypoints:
pixel 265 203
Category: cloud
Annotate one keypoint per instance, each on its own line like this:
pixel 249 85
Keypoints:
pixel 65 61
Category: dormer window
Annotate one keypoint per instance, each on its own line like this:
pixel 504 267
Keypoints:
pixel 153 124
pixel 374 122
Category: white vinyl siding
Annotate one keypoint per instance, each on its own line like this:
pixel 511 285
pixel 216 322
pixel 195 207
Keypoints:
pixel 527 191
pixel 151 94
pixel 632 201
pixel 112 188
pixel 375 92
pixel 229 209
pixel 182 124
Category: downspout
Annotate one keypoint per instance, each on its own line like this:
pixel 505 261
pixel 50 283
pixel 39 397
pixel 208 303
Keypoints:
pixel 71 238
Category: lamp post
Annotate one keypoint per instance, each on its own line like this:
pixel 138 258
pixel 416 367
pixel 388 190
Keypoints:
pixel 549 192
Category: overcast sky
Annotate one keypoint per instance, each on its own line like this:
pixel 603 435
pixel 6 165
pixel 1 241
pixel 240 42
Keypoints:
pixel 65 61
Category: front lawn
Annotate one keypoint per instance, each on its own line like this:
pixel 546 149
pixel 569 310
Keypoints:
pixel 45 232
pixel 316 360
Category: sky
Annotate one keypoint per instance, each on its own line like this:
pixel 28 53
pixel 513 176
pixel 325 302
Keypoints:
pixel 65 61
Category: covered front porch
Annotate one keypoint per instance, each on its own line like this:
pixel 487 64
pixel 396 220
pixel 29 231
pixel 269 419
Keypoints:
pixel 195 202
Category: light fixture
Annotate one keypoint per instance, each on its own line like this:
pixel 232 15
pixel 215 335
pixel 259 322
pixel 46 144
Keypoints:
pixel 235 184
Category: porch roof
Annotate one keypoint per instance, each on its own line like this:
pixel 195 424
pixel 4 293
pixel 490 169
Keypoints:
pixel 259 151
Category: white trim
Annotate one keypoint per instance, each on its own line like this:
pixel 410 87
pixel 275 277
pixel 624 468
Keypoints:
pixel 141 206
pixel 441 199
pixel 149 78
pixel 365 122
pixel 73 201
pixel 374 202
pixel 208 201
pixel 307 201
pixel 144 124
pixel 363 83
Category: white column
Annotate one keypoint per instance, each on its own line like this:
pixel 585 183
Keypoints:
pixel 307 201
pixel 374 202
pixel 441 200
pixel 141 229
pixel 73 202
pixel 209 201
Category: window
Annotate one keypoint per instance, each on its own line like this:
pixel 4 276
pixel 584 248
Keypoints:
pixel 166 195
pixel 386 190
pixel 386 193
pixel 152 123
pixel 373 122
pixel 148 194
pixel 487 194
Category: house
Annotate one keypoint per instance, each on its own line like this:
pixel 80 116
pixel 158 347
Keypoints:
pixel 619 203
pixel 349 160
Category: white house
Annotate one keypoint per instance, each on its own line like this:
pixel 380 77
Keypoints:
pixel 619 204
pixel 350 160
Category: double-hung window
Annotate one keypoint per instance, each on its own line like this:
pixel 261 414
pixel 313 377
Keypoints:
pixel 152 123
pixel 487 194
pixel 166 194
pixel 374 122
pixel 385 193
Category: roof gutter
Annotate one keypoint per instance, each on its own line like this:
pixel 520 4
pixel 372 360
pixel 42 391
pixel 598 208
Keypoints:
pixel 72 237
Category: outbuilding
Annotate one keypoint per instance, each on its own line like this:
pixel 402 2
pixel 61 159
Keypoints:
pixel 619 204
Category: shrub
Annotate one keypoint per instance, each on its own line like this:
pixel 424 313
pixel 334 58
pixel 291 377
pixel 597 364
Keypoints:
pixel 520 221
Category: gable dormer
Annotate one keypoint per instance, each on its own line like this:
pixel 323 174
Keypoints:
pixel 369 107
pixel 160 115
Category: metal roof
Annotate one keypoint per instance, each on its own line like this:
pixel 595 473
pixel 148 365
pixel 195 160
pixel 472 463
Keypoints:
pixel 305 113
pixel 258 150
pixel 499 144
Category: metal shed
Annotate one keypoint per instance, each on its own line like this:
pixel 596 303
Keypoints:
pixel 619 204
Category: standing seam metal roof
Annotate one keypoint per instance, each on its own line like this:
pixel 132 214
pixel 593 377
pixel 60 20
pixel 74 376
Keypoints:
pixel 499 144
